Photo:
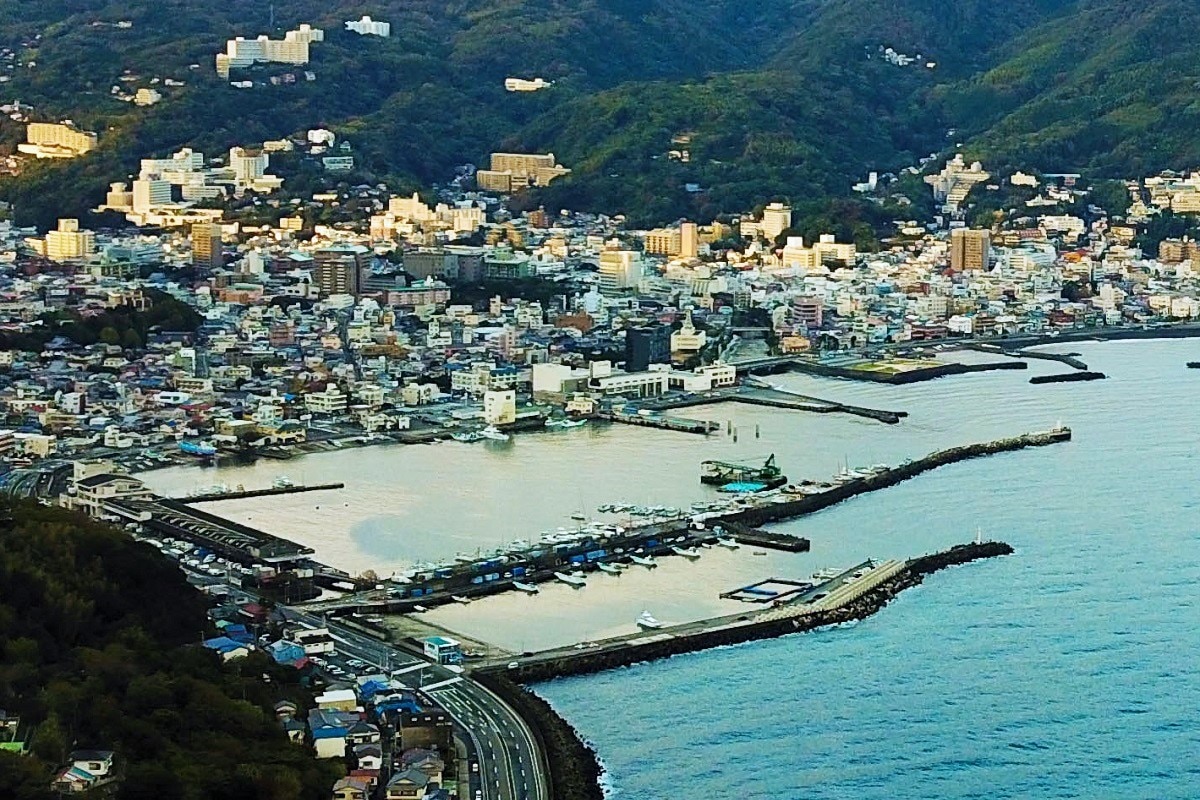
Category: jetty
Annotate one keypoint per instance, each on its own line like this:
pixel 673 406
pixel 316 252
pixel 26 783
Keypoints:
pixel 680 424
pixel 241 494
pixel 757 392
pixel 789 509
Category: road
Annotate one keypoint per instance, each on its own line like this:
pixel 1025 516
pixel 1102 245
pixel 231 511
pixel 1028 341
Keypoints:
pixel 510 765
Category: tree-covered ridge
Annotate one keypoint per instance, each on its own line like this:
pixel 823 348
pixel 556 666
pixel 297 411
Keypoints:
pixel 99 638
pixel 1109 88
pixel 789 99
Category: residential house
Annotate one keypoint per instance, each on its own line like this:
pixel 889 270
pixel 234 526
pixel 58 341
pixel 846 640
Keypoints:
pixel 407 785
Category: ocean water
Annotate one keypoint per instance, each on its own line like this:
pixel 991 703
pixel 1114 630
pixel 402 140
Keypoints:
pixel 1065 670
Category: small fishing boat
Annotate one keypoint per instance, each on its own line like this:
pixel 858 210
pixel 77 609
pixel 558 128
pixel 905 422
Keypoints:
pixel 571 579
pixel 611 569
pixel 645 561
pixel 680 551
pixel 529 588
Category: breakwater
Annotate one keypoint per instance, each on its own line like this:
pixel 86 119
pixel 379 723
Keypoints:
pixel 209 497
pixel 1068 377
pixel 788 509
pixel 575 770
pixel 767 625
pixel 904 377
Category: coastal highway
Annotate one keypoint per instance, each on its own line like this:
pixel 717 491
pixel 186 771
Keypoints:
pixel 510 765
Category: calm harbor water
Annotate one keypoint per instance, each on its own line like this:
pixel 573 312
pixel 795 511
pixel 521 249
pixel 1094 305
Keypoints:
pixel 1065 670
pixel 1062 671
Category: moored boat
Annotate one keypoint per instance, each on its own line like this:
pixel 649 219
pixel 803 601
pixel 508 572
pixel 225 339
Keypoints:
pixel 571 579
pixel 645 561
pixel 646 620
pixel 494 433
pixel 525 587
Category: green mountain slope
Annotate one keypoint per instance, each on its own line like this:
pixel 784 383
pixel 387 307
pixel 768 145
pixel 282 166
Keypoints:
pixel 1110 88
pixel 784 98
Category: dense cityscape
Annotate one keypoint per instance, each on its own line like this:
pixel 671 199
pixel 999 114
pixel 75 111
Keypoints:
pixel 280 300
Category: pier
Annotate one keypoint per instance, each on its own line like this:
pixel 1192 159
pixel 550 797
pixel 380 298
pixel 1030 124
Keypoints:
pixel 772 540
pixel 757 392
pixel 241 494
pixel 680 424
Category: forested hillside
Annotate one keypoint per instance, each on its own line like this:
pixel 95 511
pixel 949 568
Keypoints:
pixel 774 99
pixel 100 650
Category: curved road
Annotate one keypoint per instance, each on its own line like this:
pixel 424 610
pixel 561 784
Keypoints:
pixel 510 764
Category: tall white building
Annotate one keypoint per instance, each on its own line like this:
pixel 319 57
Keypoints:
pixel 619 270
pixel 775 220
pixel 150 193
pixel 69 242
pixel 369 27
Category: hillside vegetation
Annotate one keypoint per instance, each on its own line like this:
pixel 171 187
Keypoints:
pixel 100 650
pixel 775 99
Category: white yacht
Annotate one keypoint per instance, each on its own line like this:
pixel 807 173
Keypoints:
pixel 646 620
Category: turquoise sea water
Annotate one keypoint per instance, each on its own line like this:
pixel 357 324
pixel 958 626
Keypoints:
pixel 1065 670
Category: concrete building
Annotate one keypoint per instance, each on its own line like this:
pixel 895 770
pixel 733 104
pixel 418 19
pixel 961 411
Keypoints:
pixel 292 49
pixel 776 218
pixel 150 193
pixel 808 311
pixel 369 27
pixel 689 240
pixel 646 346
pixel 500 407
pixel 663 242
pixel 619 270
pixel 970 250
pixel 526 85
pixel 56 140
pixel 206 245
pixel 688 339
pixel 69 242
pixel 511 172
pixel 338 269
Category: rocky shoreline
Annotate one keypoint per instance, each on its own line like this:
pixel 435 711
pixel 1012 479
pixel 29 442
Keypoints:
pixel 574 768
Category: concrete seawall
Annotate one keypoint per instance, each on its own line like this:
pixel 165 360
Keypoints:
pixel 574 768
pixel 899 378
pixel 776 512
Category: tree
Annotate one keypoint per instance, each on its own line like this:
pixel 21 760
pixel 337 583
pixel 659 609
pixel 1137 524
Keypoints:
pixel 130 340
pixel 109 335
pixel 50 740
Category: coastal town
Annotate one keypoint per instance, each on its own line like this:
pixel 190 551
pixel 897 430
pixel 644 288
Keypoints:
pixel 208 313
